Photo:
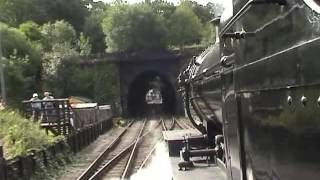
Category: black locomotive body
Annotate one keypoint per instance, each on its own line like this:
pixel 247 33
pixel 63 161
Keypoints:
pixel 260 86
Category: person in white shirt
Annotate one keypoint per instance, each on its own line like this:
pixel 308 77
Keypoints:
pixel 49 111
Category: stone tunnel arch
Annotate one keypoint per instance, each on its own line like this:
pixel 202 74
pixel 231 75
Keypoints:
pixel 136 98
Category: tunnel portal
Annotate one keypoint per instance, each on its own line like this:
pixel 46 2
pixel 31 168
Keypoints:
pixel 141 103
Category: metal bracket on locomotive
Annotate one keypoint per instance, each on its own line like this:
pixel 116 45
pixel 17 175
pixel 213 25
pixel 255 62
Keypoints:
pixel 198 146
pixel 227 61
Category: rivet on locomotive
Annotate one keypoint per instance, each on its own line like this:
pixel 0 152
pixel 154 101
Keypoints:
pixel 255 92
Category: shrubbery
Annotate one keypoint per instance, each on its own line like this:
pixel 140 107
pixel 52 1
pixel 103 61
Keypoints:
pixel 19 135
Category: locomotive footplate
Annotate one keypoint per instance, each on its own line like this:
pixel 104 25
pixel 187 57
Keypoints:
pixel 176 138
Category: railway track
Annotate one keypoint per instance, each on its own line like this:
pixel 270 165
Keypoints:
pixel 171 126
pixel 129 152
pixel 183 125
pixel 122 144
pixel 146 151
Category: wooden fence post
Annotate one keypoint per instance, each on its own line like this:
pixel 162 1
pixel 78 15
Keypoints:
pixel 3 170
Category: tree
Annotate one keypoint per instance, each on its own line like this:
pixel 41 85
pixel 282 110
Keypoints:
pixel 162 8
pixel 133 28
pixel 184 26
pixel 204 13
pixel 72 11
pixel 15 12
pixel 208 34
pixel 215 8
pixel 60 32
pixel 84 46
pixel 95 82
pixel 22 64
pixel 98 6
pixel 59 42
pixel 93 29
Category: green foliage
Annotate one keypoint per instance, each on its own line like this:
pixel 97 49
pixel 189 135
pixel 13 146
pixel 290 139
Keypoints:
pixel 52 59
pixel 12 39
pixel 204 13
pixel 72 11
pixel 106 84
pixel 133 27
pixel 84 45
pixel 15 12
pixel 184 26
pixel 19 135
pixel 99 83
pixel 60 42
pixel 215 9
pixel 92 29
pixel 208 34
pixel 96 6
pixel 31 30
pixel 22 64
pixel 60 32
pixel 162 8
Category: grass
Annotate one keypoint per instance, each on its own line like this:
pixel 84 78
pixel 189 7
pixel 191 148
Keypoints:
pixel 19 135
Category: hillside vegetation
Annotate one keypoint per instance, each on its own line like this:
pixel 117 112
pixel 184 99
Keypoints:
pixel 19 135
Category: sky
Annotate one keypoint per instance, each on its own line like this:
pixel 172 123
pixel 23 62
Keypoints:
pixel 204 2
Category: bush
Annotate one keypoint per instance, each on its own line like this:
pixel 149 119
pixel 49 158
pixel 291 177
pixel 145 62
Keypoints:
pixel 19 135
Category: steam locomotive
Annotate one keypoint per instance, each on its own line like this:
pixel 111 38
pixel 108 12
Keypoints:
pixel 255 93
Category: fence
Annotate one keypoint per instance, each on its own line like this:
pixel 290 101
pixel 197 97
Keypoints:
pixel 85 115
pixel 54 114
pixel 2 165
pixel 57 115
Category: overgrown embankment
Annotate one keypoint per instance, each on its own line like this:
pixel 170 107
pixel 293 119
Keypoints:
pixel 19 135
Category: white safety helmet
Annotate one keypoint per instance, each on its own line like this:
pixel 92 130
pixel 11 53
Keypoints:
pixel 35 95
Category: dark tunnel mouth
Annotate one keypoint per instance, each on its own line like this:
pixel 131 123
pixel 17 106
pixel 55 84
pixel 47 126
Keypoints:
pixel 137 105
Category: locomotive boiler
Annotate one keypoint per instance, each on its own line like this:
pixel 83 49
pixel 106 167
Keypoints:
pixel 255 93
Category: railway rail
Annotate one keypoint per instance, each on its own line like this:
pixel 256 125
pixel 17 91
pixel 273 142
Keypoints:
pixel 147 149
pixel 164 124
pixel 183 125
pixel 129 152
pixel 120 144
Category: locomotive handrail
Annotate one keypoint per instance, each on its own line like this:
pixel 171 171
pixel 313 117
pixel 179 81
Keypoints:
pixel 208 72
pixel 244 9
pixel 200 127
pixel 238 35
